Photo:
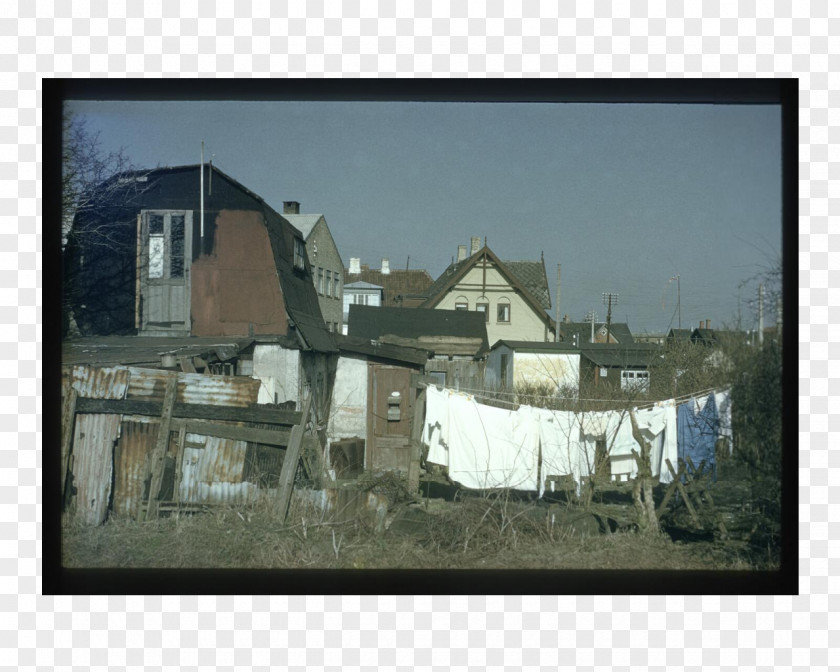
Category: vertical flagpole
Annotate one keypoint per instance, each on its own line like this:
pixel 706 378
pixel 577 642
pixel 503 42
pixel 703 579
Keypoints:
pixel 202 195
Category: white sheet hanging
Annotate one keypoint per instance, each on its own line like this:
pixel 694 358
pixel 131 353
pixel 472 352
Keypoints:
pixel 492 447
pixel 563 448
pixel 436 425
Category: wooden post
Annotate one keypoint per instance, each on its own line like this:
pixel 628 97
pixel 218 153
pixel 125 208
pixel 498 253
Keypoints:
pixel 161 446
pixel 416 445
pixel 179 462
pixel 683 492
pixel 290 462
pixel 68 418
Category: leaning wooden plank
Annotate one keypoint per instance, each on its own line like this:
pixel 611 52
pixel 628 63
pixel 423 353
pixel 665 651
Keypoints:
pixel 161 446
pixel 179 463
pixel 682 491
pixel 270 437
pixel 254 413
pixel 68 418
pixel 290 462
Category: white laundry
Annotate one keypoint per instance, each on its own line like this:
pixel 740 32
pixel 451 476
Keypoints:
pixel 668 442
pixel 492 447
pixel 562 446
pixel 436 426
pixel 723 401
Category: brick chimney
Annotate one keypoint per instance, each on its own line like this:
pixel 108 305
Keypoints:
pixel 708 324
pixel 462 252
pixel 354 266
pixel 475 244
pixel 386 266
pixel 291 208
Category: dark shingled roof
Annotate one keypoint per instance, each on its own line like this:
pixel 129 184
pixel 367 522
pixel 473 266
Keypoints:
pixel 372 322
pixel 611 354
pixel 388 351
pixel 532 275
pixel 679 334
pixel 397 285
pixel 537 346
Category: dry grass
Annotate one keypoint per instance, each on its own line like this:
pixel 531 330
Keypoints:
pixel 475 533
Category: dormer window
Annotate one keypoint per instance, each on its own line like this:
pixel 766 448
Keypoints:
pixel 300 254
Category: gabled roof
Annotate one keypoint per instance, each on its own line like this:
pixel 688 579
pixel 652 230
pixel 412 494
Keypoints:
pixel 436 330
pixel 679 334
pixel 377 350
pixel 396 285
pixel 707 336
pixel 359 284
pixel 303 223
pixel 612 354
pixel 531 284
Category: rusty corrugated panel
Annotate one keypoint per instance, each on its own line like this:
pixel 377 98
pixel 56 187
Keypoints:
pixel 212 469
pixel 93 443
pixel 137 439
pixel 193 388
pixel 98 382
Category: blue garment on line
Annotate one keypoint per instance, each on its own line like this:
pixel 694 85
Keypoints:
pixel 697 434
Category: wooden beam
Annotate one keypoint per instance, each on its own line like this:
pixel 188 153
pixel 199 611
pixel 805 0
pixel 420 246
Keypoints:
pixel 682 491
pixel 161 446
pixel 252 413
pixel 179 463
pixel 68 416
pixel 290 461
pixel 271 437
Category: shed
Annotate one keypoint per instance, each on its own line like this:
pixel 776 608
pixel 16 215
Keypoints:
pixel 512 364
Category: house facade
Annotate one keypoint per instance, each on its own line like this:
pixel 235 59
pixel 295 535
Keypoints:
pixel 325 261
pixel 360 293
pixel 513 296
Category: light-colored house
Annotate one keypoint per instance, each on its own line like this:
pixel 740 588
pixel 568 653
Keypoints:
pixel 513 295
pixel 327 267
pixel 401 288
pixel 512 364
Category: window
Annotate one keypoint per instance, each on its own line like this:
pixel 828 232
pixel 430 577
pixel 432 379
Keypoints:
pixel 300 254
pixel 166 244
pixel 438 377
pixel 320 281
pixel 337 288
pixel 503 312
pixel 462 306
pixel 635 380
pixel 330 326
pixel 484 308
pixel 328 290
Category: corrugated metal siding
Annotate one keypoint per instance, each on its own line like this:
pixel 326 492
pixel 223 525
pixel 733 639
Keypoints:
pixel 99 383
pixel 193 388
pixel 137 440
pixel 213 474
pixel 93 443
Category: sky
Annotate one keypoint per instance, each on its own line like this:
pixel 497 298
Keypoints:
pixel 624 197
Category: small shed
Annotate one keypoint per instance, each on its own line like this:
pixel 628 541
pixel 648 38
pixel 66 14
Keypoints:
pixel 515 363
pixel 374 405
pixel 617 367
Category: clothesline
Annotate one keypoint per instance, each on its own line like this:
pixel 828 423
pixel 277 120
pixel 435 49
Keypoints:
pixel 487 394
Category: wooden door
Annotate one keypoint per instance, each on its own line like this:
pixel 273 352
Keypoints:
pixel 165 255
pixel 390 409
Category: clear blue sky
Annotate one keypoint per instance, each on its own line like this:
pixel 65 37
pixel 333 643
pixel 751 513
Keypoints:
pixel 623 196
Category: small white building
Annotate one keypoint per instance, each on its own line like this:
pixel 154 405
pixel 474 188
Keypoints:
pixel 514 363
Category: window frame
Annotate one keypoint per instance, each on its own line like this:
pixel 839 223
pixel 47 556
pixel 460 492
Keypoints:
pixel 299 261
pixel 486 306
pixel 499 307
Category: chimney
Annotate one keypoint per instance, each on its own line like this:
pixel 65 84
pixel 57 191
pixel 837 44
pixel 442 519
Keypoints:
pixel 354 265
pixel 566 318
pixel 701 324
pixel 291 208
pixel 708 323
pixel 386 266
pixel 462 252
pixel 475 244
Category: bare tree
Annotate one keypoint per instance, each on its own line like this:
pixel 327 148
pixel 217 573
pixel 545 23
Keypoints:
pixel 98 231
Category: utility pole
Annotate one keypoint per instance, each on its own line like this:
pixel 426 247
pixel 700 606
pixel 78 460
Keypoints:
pixel 761 314
pixel 591 317
pixel 609 298
pixel 779 318
pixel 679 308
pixel 557 309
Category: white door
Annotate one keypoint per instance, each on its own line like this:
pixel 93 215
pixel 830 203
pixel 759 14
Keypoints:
pixel 165 255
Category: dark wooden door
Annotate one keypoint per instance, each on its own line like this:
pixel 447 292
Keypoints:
pixel 389 417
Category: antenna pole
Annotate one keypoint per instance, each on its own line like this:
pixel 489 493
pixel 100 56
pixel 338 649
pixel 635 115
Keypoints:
pixel 202 194
pixel 557 310
pixel 609 298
